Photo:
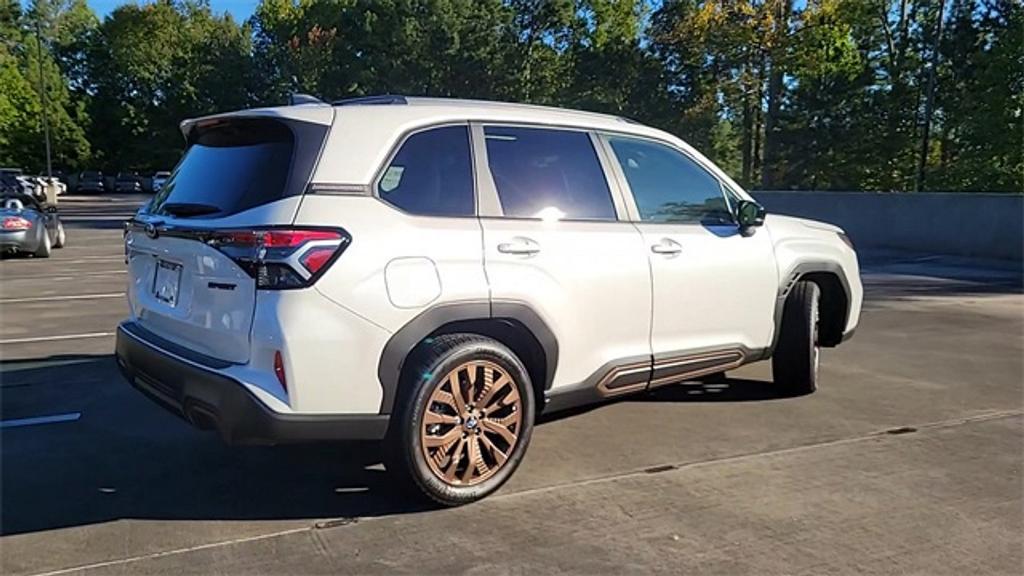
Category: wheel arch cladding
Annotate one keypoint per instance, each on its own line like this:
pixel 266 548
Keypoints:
pixel 514 324
pixel 834 305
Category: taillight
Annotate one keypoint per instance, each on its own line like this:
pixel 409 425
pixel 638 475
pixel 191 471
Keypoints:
pixel 316 258
pixel 279 370
pixel 16 223
pixel 280 259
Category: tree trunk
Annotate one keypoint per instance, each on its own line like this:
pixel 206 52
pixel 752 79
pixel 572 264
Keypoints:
pixel 929 103
pixel 770 168
pixel 746 137
pixel 755 162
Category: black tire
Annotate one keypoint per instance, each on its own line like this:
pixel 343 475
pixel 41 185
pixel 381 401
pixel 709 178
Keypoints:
pixel 43 250
pixel 795 362
pixel 62 237
pixel 426 373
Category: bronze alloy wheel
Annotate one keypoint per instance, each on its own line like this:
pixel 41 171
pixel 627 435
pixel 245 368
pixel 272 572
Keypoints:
pixel 472 423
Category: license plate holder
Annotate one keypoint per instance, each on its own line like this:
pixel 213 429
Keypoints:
pixel 167 282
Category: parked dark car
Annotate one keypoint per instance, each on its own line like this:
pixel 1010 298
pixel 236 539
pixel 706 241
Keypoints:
pixel 91 181
pixel 26 224
pixel 16 178
pixel 127 182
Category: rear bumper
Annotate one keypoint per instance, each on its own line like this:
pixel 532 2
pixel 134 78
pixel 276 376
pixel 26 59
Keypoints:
pixel 24 240
pixel 208 399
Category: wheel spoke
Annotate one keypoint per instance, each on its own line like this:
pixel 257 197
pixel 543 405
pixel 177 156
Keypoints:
pixel 432 417
pixel 486 389
pixel 472 381
pixel 499 429
pixel 471 464
pixel 453 463
pixel 430 441
pixel 499 384
pixel 460 402
pixel 445 398
pixel 506 421
pixel 481 465
pixel 510 399
pixel 441 457
pixel 496 452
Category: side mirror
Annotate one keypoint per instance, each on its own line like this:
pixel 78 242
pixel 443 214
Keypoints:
pixel 749 214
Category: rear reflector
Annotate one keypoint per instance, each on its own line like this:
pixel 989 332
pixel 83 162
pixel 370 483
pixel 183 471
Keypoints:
pixel 16 223
pixel 279 370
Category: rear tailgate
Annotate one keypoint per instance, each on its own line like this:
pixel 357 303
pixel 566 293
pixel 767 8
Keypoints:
pixel 189 293
pixel 188 283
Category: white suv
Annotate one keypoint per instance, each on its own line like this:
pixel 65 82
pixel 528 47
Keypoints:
pixel 435 273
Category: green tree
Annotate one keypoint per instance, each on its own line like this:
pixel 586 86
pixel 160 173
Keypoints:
pixel 342 48
pixel 980 100
pixel 609 69
pixel 151 66
pixel 28 68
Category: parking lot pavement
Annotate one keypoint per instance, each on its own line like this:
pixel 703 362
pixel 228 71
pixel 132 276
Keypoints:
pixel 908 459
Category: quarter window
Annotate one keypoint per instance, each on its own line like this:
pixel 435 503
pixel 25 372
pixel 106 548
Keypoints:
pixel 668 186
pixel 432 174
pixel 548 174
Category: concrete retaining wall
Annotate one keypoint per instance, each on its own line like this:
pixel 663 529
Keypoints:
pixel 981 225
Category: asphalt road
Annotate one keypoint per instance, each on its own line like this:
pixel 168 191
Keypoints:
pixel 907 460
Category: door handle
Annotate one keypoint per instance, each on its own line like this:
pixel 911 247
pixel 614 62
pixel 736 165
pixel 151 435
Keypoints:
pixel 666 246
pixel 519 245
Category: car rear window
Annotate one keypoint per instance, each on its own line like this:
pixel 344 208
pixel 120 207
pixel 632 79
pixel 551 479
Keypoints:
pixel 235 165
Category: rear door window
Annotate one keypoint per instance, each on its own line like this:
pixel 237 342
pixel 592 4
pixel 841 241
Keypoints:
pixel 432 174
pixel 546 173
pixel 236 165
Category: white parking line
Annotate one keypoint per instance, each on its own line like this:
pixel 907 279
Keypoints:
pixel 55 338
pixel 87 259
pixel 10 277
pixel 58 298
pixel 70 417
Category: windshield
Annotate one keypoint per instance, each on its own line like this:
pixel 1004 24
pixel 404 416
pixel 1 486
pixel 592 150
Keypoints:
pixel 229 167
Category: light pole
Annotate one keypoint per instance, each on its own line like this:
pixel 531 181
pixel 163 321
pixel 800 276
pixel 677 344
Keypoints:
pixel 42 97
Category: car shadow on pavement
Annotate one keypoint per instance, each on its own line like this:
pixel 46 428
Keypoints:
pixel 125 457
pixel 719 390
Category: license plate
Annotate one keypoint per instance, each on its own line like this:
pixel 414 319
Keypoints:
pixel 167 281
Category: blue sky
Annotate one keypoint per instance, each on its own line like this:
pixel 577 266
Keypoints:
pixel 240 9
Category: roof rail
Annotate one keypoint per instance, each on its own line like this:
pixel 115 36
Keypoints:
pixel 382 99
pixel 296 98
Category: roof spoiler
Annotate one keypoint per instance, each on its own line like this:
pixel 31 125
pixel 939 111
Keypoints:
pixel 297 98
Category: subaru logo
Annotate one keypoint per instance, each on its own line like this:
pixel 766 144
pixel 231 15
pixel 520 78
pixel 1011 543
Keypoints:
pixel 151 231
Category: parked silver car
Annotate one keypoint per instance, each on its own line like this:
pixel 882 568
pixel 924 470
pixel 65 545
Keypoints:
pixel 27 226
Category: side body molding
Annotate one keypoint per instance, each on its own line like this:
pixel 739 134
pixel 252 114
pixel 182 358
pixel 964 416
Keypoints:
pixel 392 359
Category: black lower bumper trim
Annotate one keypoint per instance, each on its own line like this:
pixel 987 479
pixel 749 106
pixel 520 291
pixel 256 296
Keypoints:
pixel 209 399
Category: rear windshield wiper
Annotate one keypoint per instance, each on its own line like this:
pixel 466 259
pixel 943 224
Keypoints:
pixel 189 208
